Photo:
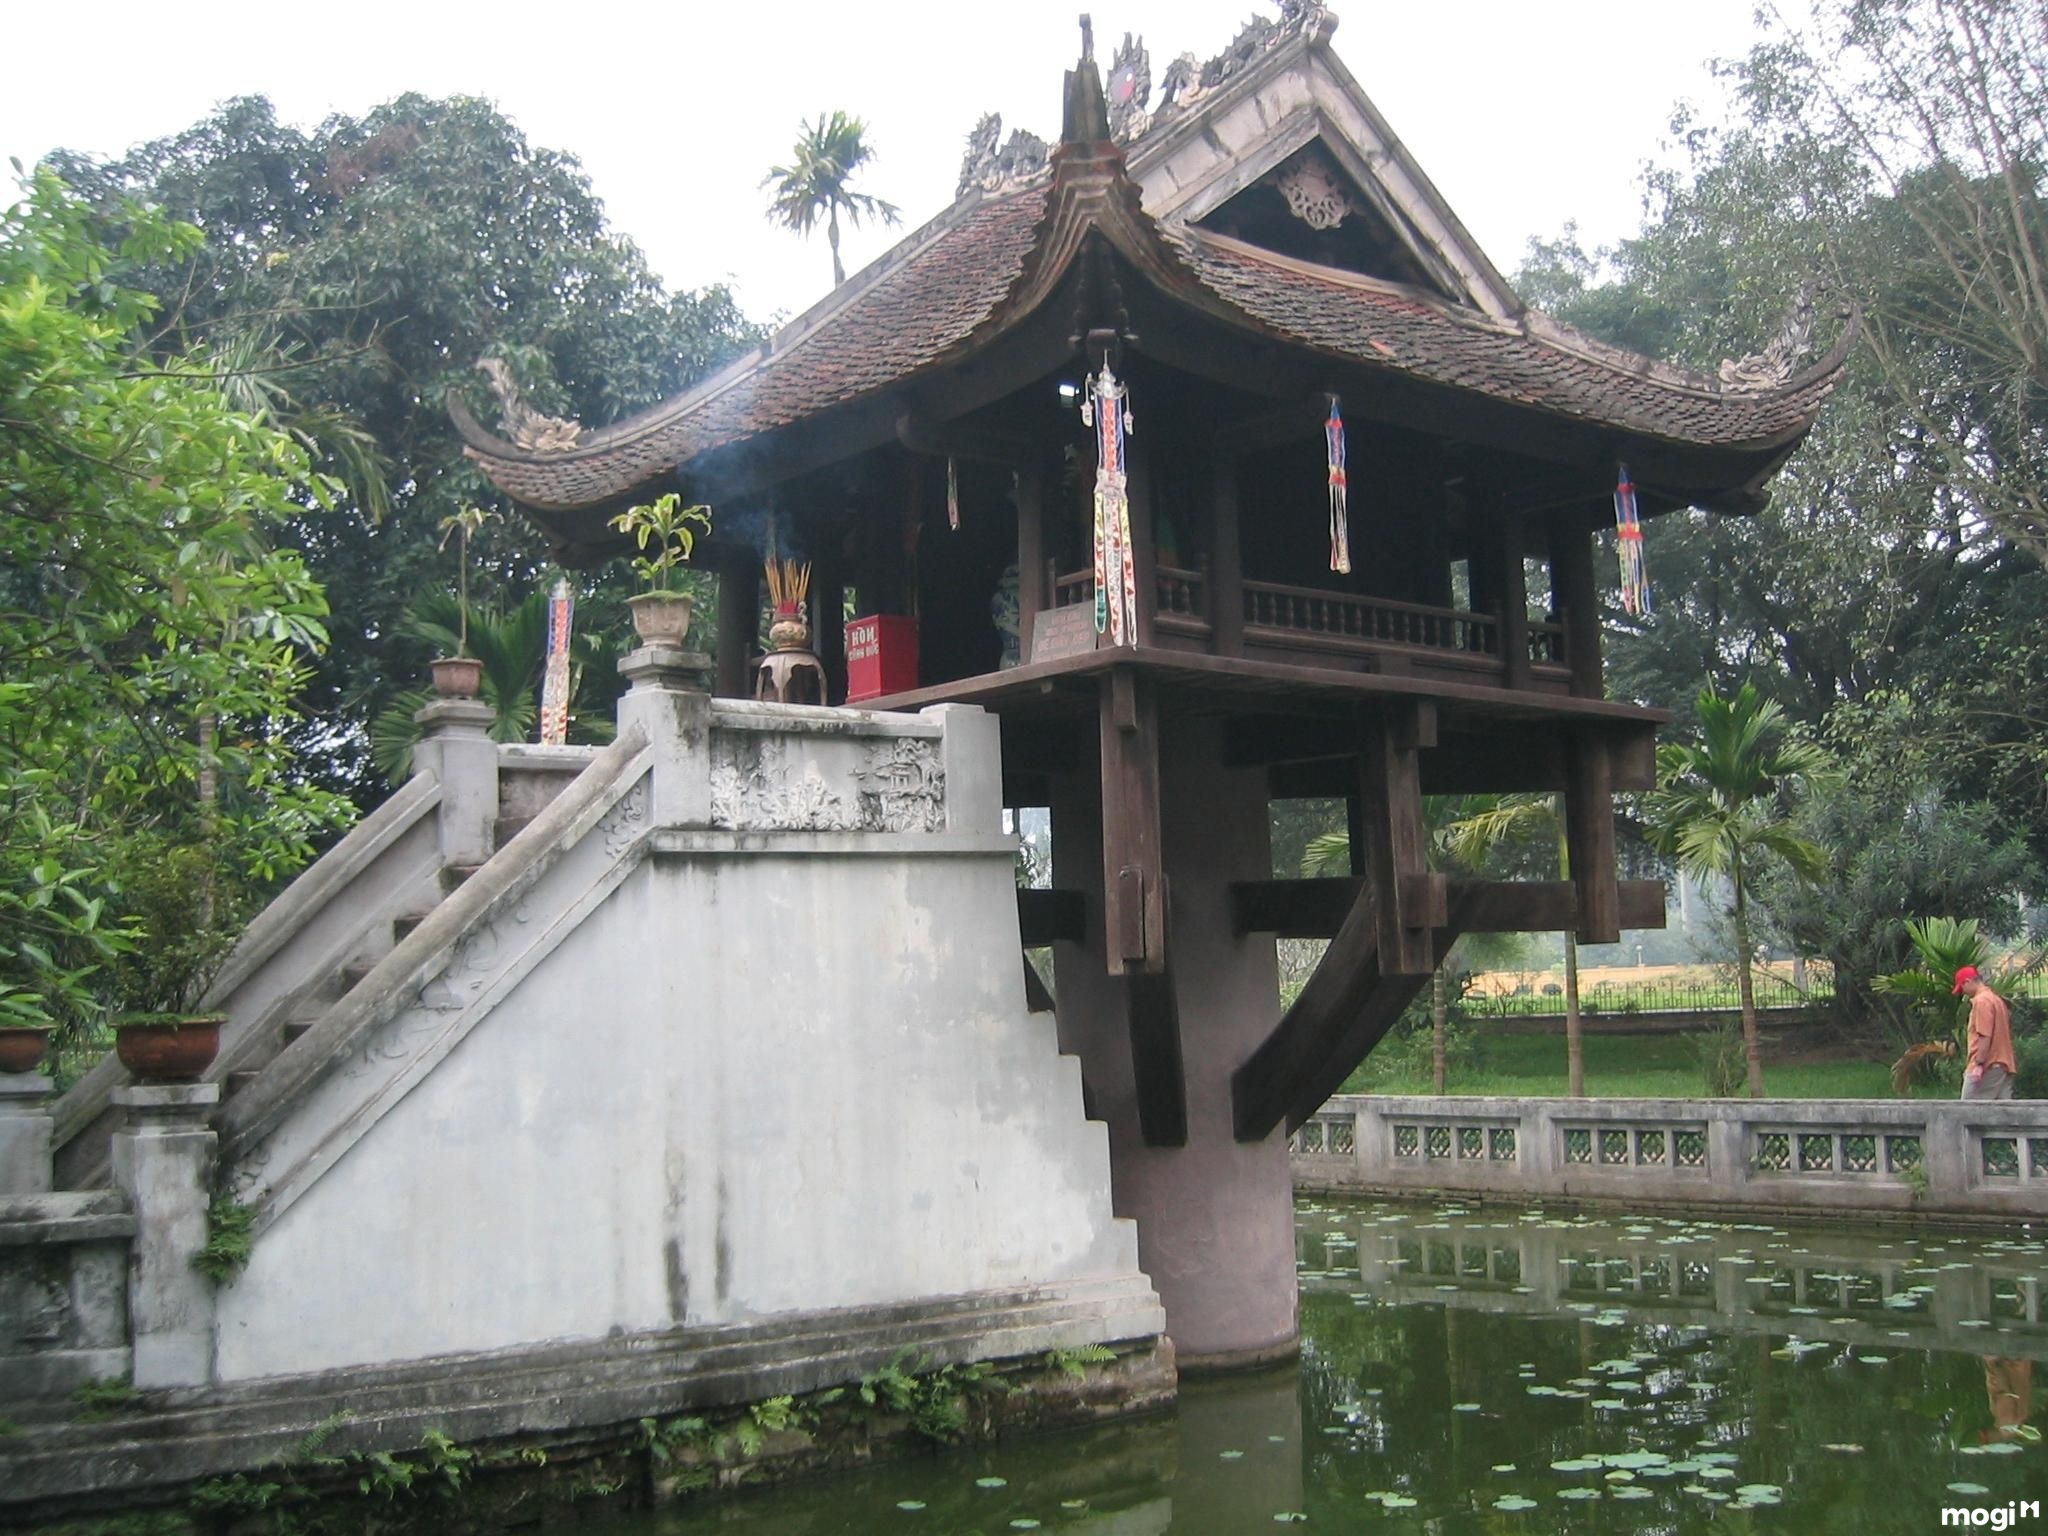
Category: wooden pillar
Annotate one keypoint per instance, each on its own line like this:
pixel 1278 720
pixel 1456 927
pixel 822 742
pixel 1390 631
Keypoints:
pixel 1226 562
pixel 828 605
pixel 739 618
pixel 1133 885
pixel 1508 590
pixel 1034 593
pixel 1577 598
pixel 1411 901
pixel 1589 836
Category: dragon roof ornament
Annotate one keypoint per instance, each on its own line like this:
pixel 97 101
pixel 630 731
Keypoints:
pixel 987 168
pixel 1781 357
pixel 520 422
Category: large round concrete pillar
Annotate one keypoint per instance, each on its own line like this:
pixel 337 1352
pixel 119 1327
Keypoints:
pixel 1215 1216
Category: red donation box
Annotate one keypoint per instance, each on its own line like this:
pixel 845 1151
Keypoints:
pixel 881 656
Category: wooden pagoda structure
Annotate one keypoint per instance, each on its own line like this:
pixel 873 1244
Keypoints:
pixel 1257 245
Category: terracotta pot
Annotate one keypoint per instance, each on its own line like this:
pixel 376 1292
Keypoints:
pixel 168 1052
pixel 457 677
pixel 661 618
pixel 22 1047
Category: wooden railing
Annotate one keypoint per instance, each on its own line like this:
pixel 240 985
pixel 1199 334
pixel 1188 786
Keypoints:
pixel 1368 621
pixel 1077 588
pixel 1546 644
pixel 1182 601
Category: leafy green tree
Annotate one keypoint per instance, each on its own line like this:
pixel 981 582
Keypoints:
pixel 1720 809
pixel 139 596
pixel 373 262
pixel 823 160
pixel 1528 826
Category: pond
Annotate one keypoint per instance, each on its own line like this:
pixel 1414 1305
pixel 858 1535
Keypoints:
pixel 1507 1370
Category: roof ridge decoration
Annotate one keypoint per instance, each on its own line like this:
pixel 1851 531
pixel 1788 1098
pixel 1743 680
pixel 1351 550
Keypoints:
pixel 1782 355
pixel 520 423
pixel 990 170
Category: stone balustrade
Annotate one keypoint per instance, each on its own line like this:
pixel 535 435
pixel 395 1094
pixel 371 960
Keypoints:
pixel 1850 1155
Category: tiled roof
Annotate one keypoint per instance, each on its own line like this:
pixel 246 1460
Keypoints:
pixel 966 273
pixel 1359 319
pixel 880 332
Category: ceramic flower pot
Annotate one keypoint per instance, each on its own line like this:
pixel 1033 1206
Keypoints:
pixel 22 1047
pixel 456 677
pixel 661 618
pixel 168 1050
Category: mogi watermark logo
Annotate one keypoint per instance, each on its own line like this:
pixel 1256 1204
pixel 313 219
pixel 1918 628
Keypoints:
pixel 1998 1518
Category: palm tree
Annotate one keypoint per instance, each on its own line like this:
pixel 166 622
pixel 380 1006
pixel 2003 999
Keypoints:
pixel 513 645
pixel 1530 818
pixel 1720 809
pixel 823 161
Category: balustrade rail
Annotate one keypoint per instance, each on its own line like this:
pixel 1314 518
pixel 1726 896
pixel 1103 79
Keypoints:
pixel 1368 621
pixel 1845 1154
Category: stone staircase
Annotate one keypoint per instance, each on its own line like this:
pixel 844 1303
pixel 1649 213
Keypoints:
pixel 324 935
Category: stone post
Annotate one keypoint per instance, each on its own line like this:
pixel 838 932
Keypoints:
pixel 669 705
pixel 972 754
pixel 458 751
pixel 163 1158
pixel 24 1134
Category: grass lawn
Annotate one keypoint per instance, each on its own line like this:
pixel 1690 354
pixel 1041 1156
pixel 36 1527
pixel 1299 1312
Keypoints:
pixel 1626 1067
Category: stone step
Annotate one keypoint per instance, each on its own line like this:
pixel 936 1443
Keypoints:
pixel 505 828
pixel 402 926
pixel 453 875
pixel 293 1028
pixel 352 974
pixel 235 1082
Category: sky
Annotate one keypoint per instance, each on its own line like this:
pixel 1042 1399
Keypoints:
pixel 1524 116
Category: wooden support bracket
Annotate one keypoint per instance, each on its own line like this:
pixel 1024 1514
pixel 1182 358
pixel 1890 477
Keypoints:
pixel 1589 837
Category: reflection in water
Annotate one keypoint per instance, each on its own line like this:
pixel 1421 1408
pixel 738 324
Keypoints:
pixel 1472 1371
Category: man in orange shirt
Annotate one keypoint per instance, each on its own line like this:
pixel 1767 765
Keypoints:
pixel 1992 1065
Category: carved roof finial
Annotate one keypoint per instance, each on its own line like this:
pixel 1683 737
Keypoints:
pixel 1086 119
pixel 520 423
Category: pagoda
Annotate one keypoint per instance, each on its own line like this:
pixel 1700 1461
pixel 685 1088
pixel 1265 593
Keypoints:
pixel 1208 451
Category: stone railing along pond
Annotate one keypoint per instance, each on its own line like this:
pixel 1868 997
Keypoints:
pixel 1921 1156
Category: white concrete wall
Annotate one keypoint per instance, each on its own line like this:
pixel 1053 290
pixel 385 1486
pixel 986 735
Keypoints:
pixel 771 1072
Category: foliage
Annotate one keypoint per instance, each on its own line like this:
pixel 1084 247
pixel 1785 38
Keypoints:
pixel 512 645
pixel 671 528
pixel 1719 810
pixel 1074 1362
pixel 823 161
pixel 153 641
pixel 376 259
pixel 230 1238
pixel 934 1400
pixel 1897 844
pixel 103 1397
pixel 1723 1068
pixel 462 526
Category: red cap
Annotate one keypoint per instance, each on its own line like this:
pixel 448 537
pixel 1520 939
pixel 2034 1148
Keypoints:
pixel 1967 973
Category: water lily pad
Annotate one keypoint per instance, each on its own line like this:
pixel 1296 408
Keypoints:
pixel 1717 1474
pixel 1464 1407
pixel 1630 1493
pixel 1230 1455
pixel 1760 1493
pixel 1396 1501
pixel 991 1482
pixel 1874 1359
pixel 1609 1403
pixel 1967 1488
pixel 911 1504
pixel 1073 1503
pixel 1636 1461
pixel 1290 1517
pixel 1505 1466
pixel 1577 1464
pixel 1716 1458
pixel 1512 1502
pixel 1842 1449
pixel 1578 1493
pixel 1621 1475
pixel 1023 1523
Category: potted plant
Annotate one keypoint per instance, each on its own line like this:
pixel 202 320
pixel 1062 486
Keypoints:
pixel 461 675
pixel 661 615
pixel 24 1030
pixel 185 927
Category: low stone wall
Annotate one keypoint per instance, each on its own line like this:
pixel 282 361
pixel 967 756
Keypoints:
pixel 63 1292
pixel 1843 1155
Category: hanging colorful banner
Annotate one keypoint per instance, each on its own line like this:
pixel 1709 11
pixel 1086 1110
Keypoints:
pixel 1628 547
pixel 1340 512
pixel 554 684
pixel 1105 408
